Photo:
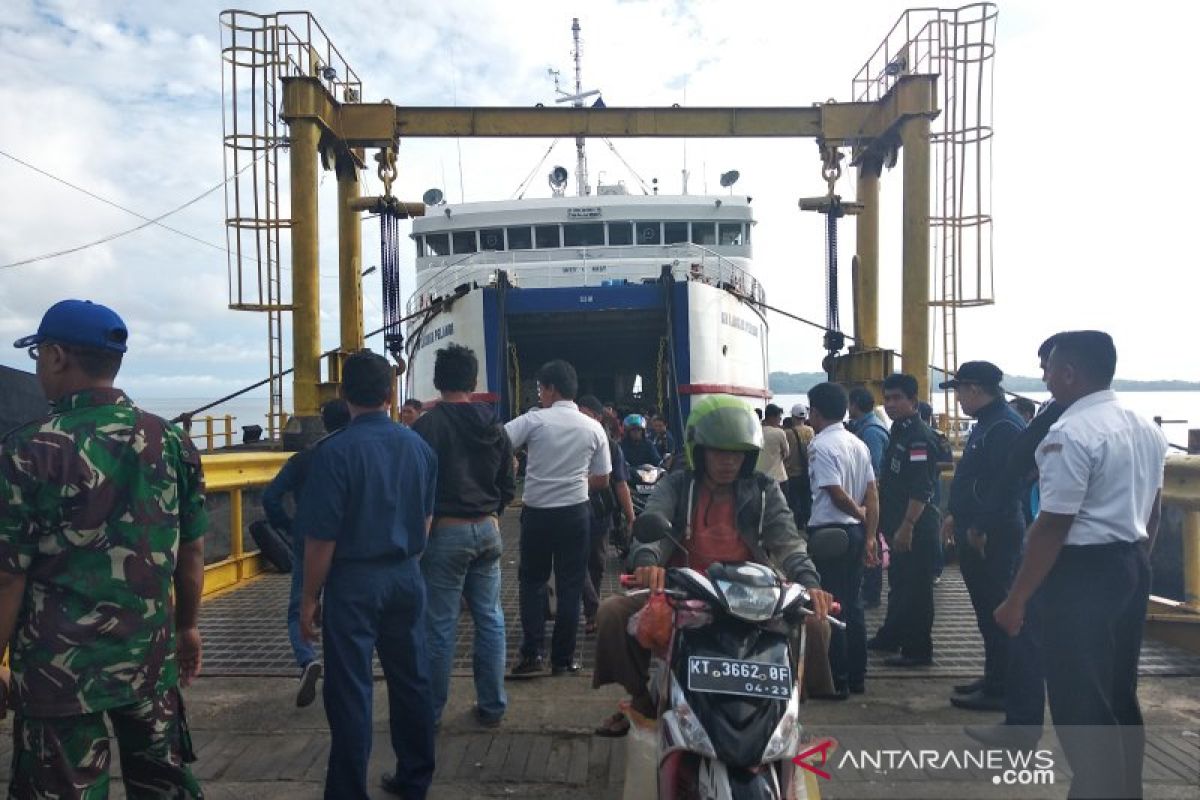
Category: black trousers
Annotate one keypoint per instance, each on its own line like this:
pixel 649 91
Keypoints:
pixel 798 492
pixel 987 578
pixel 1093 613
pixel 909 622
pixel 597 555
pixel 555 539
pixel 842 577
pixel 1025 681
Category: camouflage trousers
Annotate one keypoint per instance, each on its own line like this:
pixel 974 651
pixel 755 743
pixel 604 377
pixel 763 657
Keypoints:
pixel 68 757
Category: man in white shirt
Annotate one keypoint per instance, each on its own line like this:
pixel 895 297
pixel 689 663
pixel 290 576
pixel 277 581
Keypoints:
pixel 775 447
pixel 845 499
pixel 568 456
pixel 1100 479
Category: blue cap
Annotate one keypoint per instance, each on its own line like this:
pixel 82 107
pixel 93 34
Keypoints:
pixel 80 322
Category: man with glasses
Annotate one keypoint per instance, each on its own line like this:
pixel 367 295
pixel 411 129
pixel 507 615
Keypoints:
pixel 101 566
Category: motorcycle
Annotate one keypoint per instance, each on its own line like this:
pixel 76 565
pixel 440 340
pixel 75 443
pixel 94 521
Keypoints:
pixel 642 480
pixel 727 688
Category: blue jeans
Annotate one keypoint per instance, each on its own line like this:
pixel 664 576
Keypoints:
pixel 463 561
pixel 302 649
pixel 376 606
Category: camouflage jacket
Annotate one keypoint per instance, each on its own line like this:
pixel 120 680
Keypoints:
pixel 95 500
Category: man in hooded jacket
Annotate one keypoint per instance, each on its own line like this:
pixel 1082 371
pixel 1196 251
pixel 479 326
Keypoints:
pixel 724 512
pixel 462 560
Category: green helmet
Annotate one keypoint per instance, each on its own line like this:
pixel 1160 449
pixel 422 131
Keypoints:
pixel 723 422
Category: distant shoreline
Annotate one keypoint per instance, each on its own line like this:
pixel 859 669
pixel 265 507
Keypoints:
pixel 801 382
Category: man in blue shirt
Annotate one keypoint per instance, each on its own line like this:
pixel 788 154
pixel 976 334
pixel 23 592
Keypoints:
pixel 365 515
pixel 335 415
pixel 866 425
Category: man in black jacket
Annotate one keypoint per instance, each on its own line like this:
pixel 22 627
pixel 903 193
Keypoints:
pixel 462 560
pixel 985 520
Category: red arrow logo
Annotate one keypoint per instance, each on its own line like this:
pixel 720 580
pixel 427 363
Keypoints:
pixel 823 748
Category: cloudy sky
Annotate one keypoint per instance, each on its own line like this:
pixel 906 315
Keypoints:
pixel 1092 195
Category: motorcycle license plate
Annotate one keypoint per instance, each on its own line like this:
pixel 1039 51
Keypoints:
pixel 747 678
pixel 642 488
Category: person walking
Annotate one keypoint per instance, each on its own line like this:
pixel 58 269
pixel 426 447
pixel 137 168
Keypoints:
pixel 568 456
pixel 845 506
pixel 866 425
pixel 603 503
pixel 101 568
pixel 365 515
pixel 461 562
pixel 799 489
pixel 290 480
pixel 984 520
pixel 774 451
pixel 1100 481
pixel 909 522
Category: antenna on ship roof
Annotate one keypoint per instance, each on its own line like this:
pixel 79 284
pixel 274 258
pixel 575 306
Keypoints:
pixel 576 100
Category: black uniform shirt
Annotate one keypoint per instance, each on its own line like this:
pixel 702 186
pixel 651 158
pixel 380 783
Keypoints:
pixel 910 471
pixel 980 497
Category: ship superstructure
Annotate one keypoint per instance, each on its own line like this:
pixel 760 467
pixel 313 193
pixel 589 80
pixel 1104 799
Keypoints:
pixel 651 297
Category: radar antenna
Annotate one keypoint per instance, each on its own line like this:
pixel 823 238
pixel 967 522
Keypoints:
pixel 576 100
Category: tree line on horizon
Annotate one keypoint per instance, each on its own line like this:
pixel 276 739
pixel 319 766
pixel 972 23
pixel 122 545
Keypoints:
pixel 801 382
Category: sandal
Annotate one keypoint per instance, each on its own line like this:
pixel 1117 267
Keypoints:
pixel 615 726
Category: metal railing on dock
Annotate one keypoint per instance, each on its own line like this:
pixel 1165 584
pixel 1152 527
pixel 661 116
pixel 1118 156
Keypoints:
pixel 234 478
pixel 1178 621
pixel 231 479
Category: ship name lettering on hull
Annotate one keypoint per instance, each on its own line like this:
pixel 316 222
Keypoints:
pixel 437 335
pixel 739 323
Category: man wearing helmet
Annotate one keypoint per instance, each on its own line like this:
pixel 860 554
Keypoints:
pixel 721 511
pixel 637 448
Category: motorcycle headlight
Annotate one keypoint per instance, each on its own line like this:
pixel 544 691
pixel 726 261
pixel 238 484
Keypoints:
pixel 751 603
pixel 648 475
pixel 690 732
pixel 785 741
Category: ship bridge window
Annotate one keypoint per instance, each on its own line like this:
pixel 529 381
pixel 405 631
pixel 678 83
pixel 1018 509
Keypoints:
pixel 649 233
pixel 491 239
pixel 520 238
pixel 464 242
pixel 547 236
pixel 584 234
pixel 704 233
pixel 620 233
pixel 438 244
pixel 731 233
pixel 675 232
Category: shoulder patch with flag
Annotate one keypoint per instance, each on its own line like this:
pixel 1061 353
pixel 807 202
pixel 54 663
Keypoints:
pixel 918 451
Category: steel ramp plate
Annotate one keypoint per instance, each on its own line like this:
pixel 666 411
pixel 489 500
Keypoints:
pixel 245 629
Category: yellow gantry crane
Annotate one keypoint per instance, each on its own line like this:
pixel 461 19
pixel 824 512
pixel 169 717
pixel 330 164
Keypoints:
pixel 283 68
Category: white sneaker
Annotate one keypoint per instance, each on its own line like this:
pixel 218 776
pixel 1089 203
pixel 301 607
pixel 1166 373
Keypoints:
pixel 309 679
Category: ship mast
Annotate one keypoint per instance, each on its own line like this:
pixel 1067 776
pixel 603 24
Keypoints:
pixel 576 100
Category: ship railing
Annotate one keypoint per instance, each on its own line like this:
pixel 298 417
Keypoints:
pixel 585 267
pixel 233 488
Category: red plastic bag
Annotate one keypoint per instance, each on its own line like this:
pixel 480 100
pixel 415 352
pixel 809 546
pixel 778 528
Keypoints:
pixel 654 624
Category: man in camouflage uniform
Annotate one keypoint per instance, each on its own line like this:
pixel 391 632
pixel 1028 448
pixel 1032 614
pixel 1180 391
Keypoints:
pixel 101 568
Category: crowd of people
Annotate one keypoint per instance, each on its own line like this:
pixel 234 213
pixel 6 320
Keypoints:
pixel 396 529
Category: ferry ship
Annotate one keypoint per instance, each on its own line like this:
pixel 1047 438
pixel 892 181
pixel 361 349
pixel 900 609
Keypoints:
pixel 651 298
